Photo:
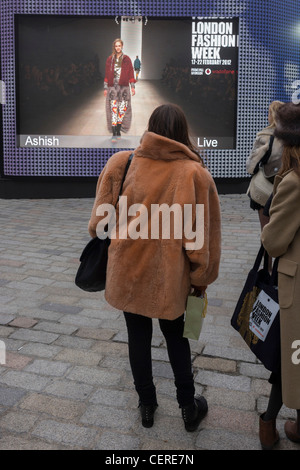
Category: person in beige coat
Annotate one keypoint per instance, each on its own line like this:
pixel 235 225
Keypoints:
pixel 149 274
pixel 259 149
pixel 281 238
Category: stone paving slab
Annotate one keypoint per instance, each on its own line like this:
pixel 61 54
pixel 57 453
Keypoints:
pixel 66 382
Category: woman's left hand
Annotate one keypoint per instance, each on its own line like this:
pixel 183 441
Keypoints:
pixel 198 291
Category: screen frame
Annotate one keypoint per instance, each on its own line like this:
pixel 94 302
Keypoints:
pixel 212 76
pixel 257 87
pixel 21 153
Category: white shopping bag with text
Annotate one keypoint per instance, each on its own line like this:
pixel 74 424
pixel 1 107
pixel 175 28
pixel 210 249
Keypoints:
pixel 263 314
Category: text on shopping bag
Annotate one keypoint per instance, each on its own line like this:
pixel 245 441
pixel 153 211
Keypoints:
pixel 262 316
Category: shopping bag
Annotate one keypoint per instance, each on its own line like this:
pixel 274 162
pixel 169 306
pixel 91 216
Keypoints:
pixel 256 316
pixel 195 313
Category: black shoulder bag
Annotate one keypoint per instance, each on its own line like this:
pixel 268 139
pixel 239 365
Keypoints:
pixel 256 316
pixel 91 274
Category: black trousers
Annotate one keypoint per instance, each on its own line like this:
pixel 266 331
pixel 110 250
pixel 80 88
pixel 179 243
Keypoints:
pixel 139 344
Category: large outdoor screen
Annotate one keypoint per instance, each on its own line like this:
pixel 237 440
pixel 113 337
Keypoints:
pixel 60 71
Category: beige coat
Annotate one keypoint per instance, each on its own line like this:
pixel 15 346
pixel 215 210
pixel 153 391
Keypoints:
pixel 149 276
pixel 281 238
pixel 260 147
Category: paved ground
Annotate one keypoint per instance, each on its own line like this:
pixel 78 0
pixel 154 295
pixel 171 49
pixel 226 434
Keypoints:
pixel 66 383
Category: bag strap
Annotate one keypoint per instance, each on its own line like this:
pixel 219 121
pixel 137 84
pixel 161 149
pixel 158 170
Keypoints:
pixel 266 156
pixel 262 253
pixel 259 257
pixel 273 278
pixel 125 173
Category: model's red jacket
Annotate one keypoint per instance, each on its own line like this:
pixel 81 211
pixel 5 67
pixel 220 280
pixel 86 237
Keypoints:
pixel 127 75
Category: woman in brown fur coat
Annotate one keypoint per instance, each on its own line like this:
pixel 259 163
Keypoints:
pixel 150 275
pixel 281 238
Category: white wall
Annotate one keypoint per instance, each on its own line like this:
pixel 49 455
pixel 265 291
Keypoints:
pixel 131 35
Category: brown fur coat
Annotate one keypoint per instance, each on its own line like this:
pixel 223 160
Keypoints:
pixel 153 276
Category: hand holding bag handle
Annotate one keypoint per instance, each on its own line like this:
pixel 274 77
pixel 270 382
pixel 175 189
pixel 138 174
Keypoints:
pixel 259 280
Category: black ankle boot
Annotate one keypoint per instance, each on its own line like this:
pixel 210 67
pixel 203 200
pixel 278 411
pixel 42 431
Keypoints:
pixel 118 130
pixel 147 413
pixel 193 414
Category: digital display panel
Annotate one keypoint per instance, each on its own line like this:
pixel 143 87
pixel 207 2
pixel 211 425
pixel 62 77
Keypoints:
pixel 61 68
pixel 223 62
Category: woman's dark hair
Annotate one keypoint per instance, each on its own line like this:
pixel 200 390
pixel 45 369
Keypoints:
pixel 169 121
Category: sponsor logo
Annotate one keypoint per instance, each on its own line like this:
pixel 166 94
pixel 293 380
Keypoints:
pixel 296 354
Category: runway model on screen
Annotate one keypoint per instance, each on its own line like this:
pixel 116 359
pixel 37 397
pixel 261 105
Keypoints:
pixel 119 85
pixel 137 67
